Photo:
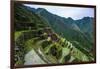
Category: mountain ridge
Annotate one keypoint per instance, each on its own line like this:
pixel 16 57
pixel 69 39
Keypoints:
pixel 55 39
pixel 83 26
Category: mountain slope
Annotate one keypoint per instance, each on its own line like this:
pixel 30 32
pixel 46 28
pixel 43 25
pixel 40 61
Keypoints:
pixel 34 32
pixel 69 28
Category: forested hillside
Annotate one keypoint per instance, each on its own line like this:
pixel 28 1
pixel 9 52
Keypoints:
pixel 54 39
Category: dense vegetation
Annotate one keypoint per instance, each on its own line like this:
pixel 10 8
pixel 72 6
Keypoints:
pixel 59 39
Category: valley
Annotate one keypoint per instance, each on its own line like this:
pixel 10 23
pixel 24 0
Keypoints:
pixel 44 38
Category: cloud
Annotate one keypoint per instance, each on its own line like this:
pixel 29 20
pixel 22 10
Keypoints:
pixel 64 11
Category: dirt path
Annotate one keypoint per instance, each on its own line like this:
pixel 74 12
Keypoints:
pixel 33 58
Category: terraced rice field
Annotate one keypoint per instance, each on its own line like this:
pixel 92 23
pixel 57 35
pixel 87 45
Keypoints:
pixel 37 43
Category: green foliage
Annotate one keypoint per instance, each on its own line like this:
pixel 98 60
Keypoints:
pixel 53 41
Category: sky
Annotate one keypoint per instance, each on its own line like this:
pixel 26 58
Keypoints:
pixel 64 11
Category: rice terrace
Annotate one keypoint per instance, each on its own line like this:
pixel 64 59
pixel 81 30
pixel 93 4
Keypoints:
pixel 46 34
